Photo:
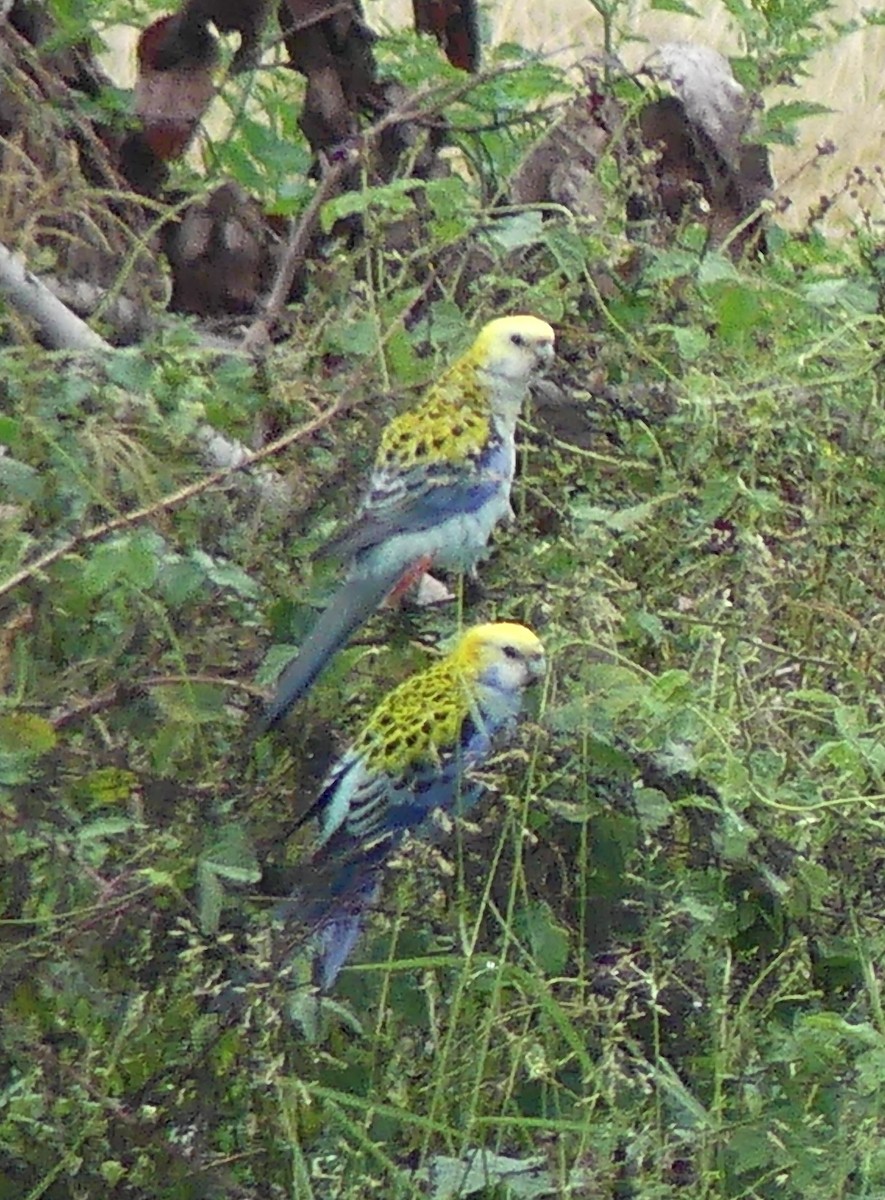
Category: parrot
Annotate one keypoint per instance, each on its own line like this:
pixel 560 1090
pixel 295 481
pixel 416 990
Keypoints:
pixel 440 484
pixel 416 754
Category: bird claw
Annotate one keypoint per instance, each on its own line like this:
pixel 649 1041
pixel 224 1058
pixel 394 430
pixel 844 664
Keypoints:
pixel 412 575
pixel 432 591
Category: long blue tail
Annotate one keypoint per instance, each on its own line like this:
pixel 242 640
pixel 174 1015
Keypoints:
pixel 335 939
pixel 332 922
pixel 351 607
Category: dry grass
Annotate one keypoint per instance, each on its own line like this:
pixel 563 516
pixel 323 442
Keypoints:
pixel 846 77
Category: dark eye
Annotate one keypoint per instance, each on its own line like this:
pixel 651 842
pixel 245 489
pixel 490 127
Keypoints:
pixel 511 652
pixel 517 339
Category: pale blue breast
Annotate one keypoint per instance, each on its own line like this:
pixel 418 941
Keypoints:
pixel 454 542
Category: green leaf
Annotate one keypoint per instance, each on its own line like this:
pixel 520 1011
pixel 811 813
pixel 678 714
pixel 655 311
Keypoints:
pixel 734 836
pixel 25 733
pixel 15 769
pixel 718 496
pixel 293 194
pixel 676 6
pixel 134 558
pixel 737 311
pixel 18 480
pixel 675 684
pixel 716 268
pixel 242 166
pixel 691 343
pixel 10 431
pixel 826 293
pixel 278 656
pixel 523 229
pixel 226 575
pixel 752 1149
pixel 794 110
pixel 483 1173
pixel 232 855
pixel 112 1171
pixel 210 898
pixel 619 688
pixel 652 807
pixel 568 249
pixel 668 265
pixel 632 517
pixel 358 337
pixel 583 513
pixel 453 208
pixel 180 581
pixel 393 199
pixel 549 941
pixel 778 125
pixel 162 880
pixel 574 814
pixel 444 326
pixel 646 624
pixel 131 369
pixel 404 364
pixel 105 786
pixel 105 827
pixel 699 909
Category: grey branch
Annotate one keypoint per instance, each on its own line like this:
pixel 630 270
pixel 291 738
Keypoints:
pixel 64 330
pixel 59 327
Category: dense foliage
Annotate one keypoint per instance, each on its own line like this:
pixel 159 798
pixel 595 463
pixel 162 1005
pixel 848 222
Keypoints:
pixel 654 960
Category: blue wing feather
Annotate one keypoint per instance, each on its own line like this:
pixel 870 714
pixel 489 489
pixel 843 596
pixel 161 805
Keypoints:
pixel 343 879
pixel 382 807
pixel 405 504
pixel 422 497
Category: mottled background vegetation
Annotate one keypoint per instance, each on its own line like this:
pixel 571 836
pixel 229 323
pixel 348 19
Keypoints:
pixel 652 964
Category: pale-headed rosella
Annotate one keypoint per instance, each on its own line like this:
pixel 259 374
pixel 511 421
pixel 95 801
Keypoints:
pixel 440 484
pixel 416 754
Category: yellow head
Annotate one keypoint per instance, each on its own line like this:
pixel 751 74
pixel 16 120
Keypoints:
pixel 513 650
pixel 514 348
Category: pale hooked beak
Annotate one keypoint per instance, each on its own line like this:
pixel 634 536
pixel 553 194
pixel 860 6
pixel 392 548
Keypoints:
pixel 536 666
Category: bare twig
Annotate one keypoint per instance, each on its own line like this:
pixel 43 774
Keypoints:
pixel 424 105
pixel 296 251
pixel 111 696
pixel 174 500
